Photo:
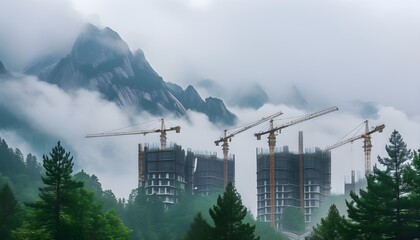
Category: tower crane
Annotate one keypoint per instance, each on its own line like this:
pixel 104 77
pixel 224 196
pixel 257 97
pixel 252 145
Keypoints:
pixel 227 137
pixel 272 143
pixel 162 132
pixel 367 145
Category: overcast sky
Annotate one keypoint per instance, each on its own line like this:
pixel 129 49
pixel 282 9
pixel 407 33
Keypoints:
pixel 334 51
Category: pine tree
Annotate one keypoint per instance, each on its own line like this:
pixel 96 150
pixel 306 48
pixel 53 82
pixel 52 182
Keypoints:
pixel 228 217
pixel 67 210
pixel 199 229
pixel 330 228
pixel 8 212
pixel 412 179
pixel 57 197
pixel 378 212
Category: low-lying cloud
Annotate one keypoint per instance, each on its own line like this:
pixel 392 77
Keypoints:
pixel 68 117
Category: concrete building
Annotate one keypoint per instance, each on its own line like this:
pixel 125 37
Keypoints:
pixel 208 173
pixel 169 172
pixel 165 173
pixel 354 185
pixel 289 192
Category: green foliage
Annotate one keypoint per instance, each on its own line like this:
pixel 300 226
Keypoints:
pixel 293 220
pixel 339 200
pixel 58 195
pixel 22 176
pixel 228 216
pixel 265 231
pixel 380 211
pixel 199 229
pixel 106 198
pixel 144 215
pixel 330 228
pixel 412 180
pixel 388 207
pixel 114 228
pixel 8 212
pixel 67 210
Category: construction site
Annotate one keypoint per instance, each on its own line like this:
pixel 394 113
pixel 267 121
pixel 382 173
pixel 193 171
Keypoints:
pixel 285 179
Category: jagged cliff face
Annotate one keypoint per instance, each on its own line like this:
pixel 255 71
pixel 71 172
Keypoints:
pixel 101 61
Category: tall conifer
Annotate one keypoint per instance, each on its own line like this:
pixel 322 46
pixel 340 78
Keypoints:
pixel 58 195
pixel 228 216
pixel 379 211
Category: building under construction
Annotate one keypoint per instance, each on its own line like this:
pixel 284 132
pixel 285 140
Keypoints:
pixel 208 172
pixel 289 191
pixel 164 172
pixel 168 172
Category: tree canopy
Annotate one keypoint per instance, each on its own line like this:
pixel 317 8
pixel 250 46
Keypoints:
pixel 227 215
pixel 67 210
pixel 388 207
pixel 330 227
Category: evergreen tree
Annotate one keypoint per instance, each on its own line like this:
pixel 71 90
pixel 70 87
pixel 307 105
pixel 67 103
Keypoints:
pixel 67 210
pixel 330 227
pixel 228 217
pixel 114 228
pixel 412 179
pixel 144 214
pixel 199 229
pixel 8 212
pixel 33 167
pixel 378 212
pixel 58 195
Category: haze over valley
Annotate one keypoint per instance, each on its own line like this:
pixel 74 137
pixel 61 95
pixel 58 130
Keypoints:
pixel 70 68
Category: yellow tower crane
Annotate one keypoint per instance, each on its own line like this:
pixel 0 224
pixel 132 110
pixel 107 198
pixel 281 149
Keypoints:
pixel 271 145
pixel 162 132
pixel 227 137
pixel 367 144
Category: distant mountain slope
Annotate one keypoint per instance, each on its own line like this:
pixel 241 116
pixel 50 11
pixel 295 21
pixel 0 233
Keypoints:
pixel 101 61
pixel 3 70
pixel 245 95
pixel 253 95
pixel 213 107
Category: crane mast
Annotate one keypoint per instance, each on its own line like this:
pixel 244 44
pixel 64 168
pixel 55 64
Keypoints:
pixel 227 137
pixel 272 144
pixel 367 144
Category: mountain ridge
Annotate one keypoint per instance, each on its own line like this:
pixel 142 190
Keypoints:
pixel 102 61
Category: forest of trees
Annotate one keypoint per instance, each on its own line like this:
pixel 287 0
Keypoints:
pixel 48 201
pixel 61 205
pixel 389 206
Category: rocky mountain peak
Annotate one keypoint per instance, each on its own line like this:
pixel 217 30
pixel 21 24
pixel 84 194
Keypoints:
pixel 101 61
pixel 95 46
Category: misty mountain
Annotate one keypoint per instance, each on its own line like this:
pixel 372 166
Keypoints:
pixel 3 70
pixel 244 95
pixel 367 110
pixel 213 107
pixel 253 95
pixel 101 61
pixel 295 98
pixel 250 96
pixel 41 63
